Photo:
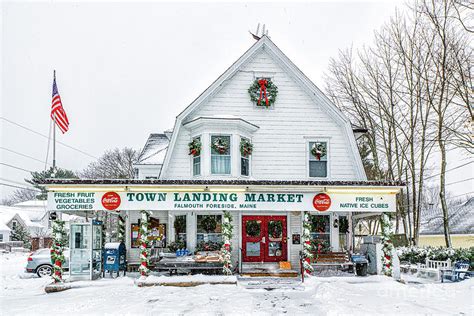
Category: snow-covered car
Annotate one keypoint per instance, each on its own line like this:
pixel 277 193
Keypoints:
pixel 39 262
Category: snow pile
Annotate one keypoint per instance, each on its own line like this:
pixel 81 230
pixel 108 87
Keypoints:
pixel 197 278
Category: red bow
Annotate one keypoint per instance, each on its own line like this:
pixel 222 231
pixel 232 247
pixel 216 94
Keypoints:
pixel 263 91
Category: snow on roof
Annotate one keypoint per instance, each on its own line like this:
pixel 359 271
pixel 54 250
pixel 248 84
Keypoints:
pixel 155 150
pixel 461 219
pixel 4 227
pixel 8 212
pixel 35 209
pixel 32 203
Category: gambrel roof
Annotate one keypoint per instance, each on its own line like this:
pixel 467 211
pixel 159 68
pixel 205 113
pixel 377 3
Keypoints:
pixel 154 151
pixel 295 73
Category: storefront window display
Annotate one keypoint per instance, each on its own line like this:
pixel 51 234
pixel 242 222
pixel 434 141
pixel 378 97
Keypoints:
pixel 209 232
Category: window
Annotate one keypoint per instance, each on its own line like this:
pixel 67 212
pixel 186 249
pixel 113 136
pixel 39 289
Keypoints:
pixel 220 154
pixel 318 159
pixel 180 228
pixel 343 226
pixel 209 232
pixel 1 237
pixel 197 161
pixel 244 161
pixel 320 233
pixel 14 223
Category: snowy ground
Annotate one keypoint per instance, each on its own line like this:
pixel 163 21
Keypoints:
pixel 22 294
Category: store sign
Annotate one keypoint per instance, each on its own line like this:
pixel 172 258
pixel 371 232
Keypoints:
pixel 208 201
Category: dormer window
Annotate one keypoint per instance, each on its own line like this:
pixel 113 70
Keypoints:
pixel 195 152
pixel 220 154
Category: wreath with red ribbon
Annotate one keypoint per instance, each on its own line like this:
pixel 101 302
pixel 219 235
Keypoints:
pixel 263 92
pixel 246 147
pixel 195 147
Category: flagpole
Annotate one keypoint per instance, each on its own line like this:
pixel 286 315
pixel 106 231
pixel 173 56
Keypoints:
pixel 54 136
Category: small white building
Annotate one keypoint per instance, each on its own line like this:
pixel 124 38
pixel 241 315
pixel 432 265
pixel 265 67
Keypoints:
pixel 262 142
pixel 5 232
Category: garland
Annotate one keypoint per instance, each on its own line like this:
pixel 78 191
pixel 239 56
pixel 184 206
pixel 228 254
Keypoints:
pixel 307 254
pixel 318 150
pixel 387 245
pixel 275 229
pixel 263 92
pixel 57 250
pixel 220 145
pixel 252 228
pixel 246 147
pixel 227 229
pixel 195 147
pixel 209 223
pixel 143 239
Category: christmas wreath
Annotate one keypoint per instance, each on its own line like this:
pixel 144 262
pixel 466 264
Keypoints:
pixel 220 145
pixel 319 223
pixel 209 223
pixel 318 150
pixel 275 228
pixel 263 92
pixel 246 147
pixel 252 228
pixel 195 147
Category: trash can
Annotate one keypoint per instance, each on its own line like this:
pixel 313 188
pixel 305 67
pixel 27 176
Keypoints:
pixel 360 263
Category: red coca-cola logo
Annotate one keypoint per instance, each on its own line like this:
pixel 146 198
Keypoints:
pixel 111 201
pixel 322 202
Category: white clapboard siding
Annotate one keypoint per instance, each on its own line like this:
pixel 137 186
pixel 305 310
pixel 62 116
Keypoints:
pixel 296 227
pixel 133 254
pixel 280 144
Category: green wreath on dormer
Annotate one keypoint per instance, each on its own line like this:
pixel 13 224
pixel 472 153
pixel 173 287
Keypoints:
pixel 195 147
pixel 263 92
pixel 318 150
pixel 246 147
pixel 220 145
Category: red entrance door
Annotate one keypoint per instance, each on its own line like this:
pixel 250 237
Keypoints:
pixel 264 238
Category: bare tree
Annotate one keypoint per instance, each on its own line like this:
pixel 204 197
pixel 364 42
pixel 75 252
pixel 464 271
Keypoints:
pixel 20 195
pixel 113 164
pixel 412 89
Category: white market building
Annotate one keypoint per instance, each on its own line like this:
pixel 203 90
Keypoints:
pixel 304 157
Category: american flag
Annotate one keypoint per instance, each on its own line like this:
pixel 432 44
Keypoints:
pixel 58 115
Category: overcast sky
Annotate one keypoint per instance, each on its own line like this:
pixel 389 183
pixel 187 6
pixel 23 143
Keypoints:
pixel 125 70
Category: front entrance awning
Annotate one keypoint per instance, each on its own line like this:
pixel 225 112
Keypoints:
pixel 194 195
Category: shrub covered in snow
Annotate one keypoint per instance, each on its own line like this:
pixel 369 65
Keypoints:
pixel 415 254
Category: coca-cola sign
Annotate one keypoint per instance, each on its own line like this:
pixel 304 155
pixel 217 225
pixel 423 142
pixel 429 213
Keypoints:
pixel 322 202
pixel 111 201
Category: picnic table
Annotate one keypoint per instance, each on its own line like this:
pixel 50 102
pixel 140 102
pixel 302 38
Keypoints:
pixel 187 263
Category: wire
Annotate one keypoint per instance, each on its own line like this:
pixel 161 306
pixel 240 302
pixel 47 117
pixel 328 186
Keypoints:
pixel 12 181
pixel 15 152
pixel 459 181
pixel 432 176
pixel 18 187
pixel 43 135
pixel 11 166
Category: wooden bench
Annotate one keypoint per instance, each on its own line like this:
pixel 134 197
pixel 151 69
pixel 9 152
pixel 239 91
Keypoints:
pixel 432 268
pixel 334 259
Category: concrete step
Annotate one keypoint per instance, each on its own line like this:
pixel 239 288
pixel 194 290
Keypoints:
pixel 270 283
